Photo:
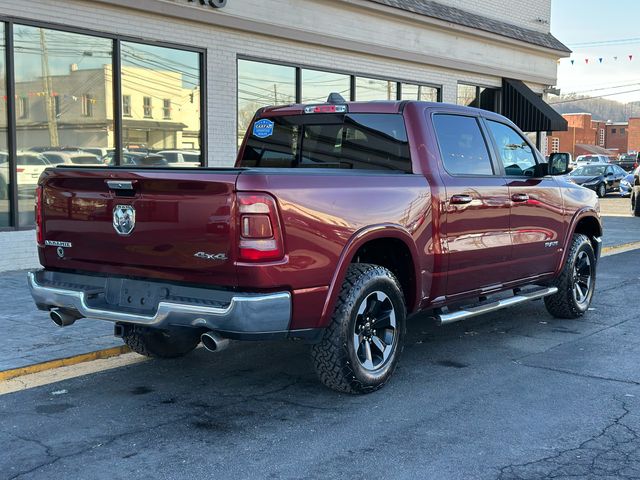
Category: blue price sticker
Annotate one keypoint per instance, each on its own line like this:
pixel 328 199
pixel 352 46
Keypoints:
pixel 263 128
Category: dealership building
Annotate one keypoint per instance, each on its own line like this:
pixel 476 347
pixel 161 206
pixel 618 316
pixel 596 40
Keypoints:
pixel 118 79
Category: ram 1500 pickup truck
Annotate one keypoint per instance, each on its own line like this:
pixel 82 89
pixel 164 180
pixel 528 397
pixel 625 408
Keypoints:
pixel 338 221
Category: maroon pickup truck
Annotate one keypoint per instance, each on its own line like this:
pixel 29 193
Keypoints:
pixel 338 221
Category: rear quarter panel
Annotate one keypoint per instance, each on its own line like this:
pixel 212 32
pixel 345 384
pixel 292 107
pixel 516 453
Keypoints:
pixel 322 214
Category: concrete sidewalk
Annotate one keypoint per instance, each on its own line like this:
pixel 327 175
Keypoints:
pixel 30 338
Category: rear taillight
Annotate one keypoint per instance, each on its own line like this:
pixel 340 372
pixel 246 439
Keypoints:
pixel 260 234
pixel 19 170
pixel 39 225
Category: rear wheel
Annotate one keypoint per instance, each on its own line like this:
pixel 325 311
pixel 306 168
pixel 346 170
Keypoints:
pixel 155 343
pixel 361 346
pixel 602 190
pixel 576 282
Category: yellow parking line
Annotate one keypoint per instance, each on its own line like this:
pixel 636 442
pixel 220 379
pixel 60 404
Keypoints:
pixel 63 362
pixel 625 247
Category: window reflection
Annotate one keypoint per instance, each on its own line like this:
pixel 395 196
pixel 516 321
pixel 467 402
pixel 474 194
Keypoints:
pixel 160 106
pixel 375 89
pixel 467 95
pixel 63 104
pixel 317 85
pixel 259 85
pixel 423 93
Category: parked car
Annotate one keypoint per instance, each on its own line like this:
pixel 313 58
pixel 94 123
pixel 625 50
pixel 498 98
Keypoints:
pixel 73 158
pixel 99 152
pixel 627 162
pixel 29 167
pixel 597 177
pixel 181 158
pixel 626 185
pixel 582 159
pixel 334 239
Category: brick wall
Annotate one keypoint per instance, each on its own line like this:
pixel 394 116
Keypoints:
pixel 634 135
pixel 617 137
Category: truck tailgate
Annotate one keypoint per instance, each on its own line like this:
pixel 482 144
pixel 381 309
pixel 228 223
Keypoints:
pixel 183 227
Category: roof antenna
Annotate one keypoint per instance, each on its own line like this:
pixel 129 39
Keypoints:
pixel 335 97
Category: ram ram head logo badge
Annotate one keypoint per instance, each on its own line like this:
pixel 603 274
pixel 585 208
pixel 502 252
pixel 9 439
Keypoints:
pixel 124 219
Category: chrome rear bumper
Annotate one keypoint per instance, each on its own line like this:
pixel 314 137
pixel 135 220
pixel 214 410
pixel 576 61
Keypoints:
pixel 211 309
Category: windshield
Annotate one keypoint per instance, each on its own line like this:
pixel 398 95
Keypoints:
pixel 349 141
pixel 588 171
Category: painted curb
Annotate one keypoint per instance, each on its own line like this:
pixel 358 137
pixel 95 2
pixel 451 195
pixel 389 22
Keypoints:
pixel 62 362
pixel 625 247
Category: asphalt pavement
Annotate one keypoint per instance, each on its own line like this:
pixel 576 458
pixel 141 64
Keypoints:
pixel 512 395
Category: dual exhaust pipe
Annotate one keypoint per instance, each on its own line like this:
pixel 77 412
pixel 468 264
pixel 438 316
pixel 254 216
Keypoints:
pixel 211 340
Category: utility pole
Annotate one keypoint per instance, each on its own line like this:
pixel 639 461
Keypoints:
pixel 275 93
pixel 52 122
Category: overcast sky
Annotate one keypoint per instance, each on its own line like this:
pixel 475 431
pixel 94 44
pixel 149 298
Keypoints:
pixel 576 22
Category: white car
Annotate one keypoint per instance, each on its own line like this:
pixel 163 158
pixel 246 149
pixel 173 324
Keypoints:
pixel 583 159
pixel 73 158
pixel 29 166
pixel 181 158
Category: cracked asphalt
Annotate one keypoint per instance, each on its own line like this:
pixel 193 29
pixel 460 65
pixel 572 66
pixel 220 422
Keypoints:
pixel 511 395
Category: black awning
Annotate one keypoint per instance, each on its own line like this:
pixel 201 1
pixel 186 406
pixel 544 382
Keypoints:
pixel 527 110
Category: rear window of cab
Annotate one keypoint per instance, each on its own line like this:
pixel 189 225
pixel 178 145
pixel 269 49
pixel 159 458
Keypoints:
pixel 336 141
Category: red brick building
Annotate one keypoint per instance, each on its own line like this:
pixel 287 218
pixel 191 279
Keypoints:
pixel 585 136
pixel 633 135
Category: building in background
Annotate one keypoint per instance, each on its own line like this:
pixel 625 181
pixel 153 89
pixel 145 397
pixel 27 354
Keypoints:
pixel 180 74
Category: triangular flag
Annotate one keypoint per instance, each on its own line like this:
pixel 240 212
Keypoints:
pixel 572 62
pixel 630 57
pixel 586 60
pixel 600 59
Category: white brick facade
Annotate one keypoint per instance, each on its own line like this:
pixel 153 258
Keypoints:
pixel 426 49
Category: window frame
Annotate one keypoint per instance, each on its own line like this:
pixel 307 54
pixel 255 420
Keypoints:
pixel 10 21
pixel 490 151
pixel 478 86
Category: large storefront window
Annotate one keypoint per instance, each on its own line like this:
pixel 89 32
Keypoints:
pixel 160 105
pixel 65 111
pixel 317 85
pixel 423 93
pixel 261 84
pixel 368 89
pixel 5 214
pixel 63 105
pixel 479 97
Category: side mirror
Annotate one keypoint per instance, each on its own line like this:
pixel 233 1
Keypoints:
pixel 558 163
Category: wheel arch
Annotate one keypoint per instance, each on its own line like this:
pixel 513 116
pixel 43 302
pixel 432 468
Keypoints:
pixel 585 221
pixel 363 247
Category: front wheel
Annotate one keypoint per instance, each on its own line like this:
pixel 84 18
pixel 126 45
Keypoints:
pixel 361 346
pixel 576 282
pixel 155 343
pixel 602 190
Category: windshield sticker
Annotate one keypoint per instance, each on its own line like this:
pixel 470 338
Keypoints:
pixel 263 128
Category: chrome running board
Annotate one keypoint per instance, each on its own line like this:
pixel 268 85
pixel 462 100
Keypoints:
pixel 446 318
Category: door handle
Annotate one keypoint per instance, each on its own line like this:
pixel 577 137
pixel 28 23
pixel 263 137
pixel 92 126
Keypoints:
pixel 461 199
pixel 520 197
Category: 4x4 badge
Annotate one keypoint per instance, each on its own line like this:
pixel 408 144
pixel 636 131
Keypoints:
pixel 124 219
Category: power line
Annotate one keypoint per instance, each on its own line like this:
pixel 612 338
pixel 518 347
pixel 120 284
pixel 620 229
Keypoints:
pixel 594 97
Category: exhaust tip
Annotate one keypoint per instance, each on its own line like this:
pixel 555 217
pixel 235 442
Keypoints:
pixel 214 342
pixel 62 318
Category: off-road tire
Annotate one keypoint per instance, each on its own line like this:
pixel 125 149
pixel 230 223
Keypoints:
pixel 635 201
pixel 563 304
pixel 334 357
pixel 155 343
pixel 601 191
